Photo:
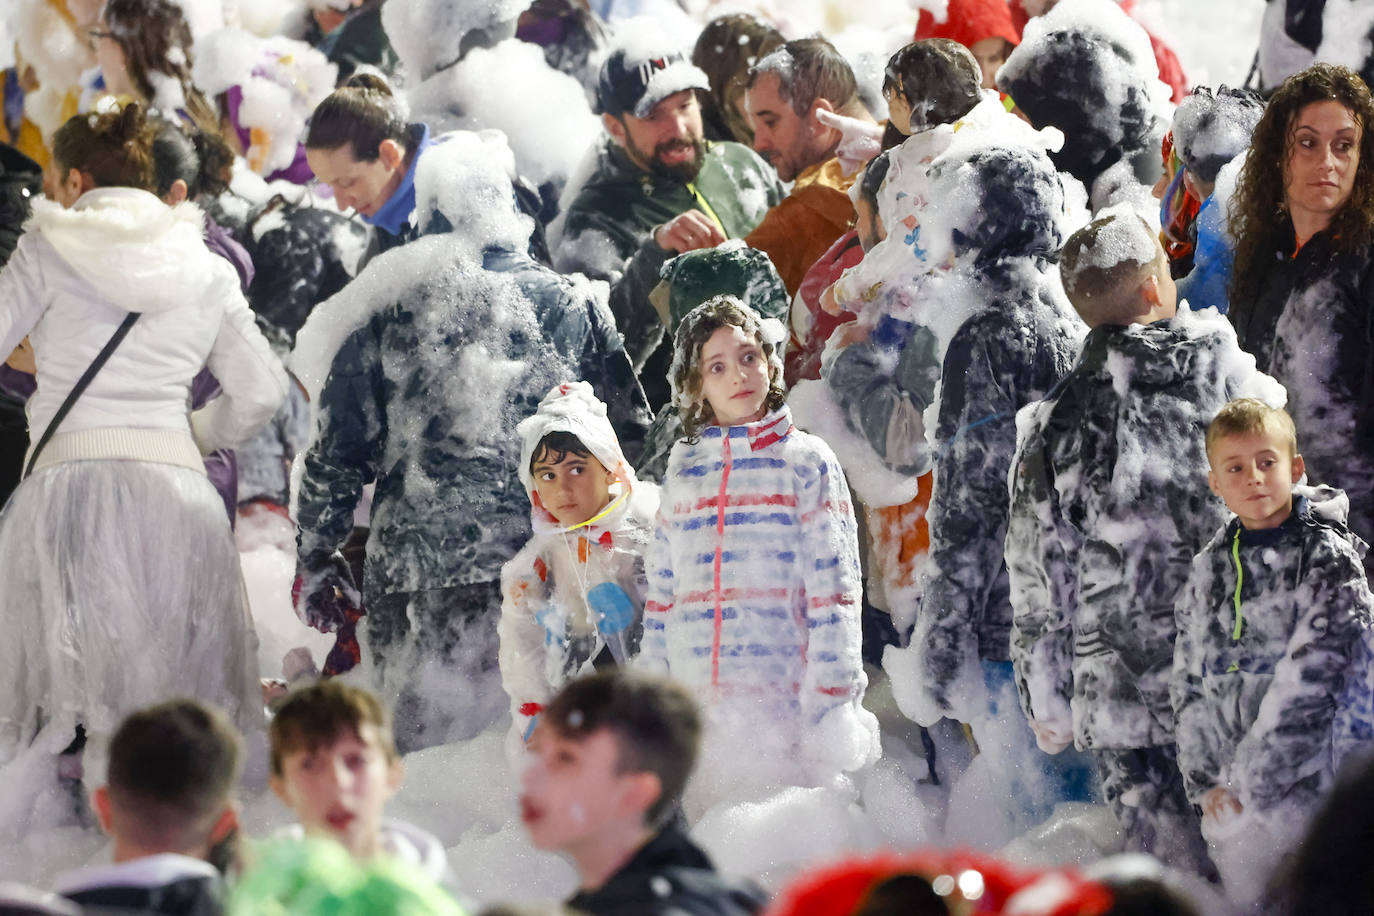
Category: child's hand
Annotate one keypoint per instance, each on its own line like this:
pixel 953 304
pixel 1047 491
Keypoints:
pixel 22 360
pixel 323 593
pixel 851 333
pixel 1052 735
pixel 1221 803
pixel 860 141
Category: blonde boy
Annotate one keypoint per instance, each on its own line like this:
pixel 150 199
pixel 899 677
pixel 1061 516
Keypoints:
pixel 1274 611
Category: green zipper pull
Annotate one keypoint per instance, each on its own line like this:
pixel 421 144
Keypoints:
pixel 1240 579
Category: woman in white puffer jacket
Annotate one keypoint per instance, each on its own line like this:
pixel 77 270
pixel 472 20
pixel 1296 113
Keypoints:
pixel 119 581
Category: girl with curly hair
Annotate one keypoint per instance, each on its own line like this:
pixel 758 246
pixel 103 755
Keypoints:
pixel 1302 296
pixel 754 587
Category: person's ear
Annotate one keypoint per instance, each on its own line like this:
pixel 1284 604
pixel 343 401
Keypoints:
pixel 177 193
pixel 225 824
pixel 75 182
pixel 1299 468
pixel 278 786
pixel 1212 482
pixel 642 791
pixel 100 801
pixel 820 105
pixel 391 153
pixel 615 127
pixel 395 775
pixel 1149 290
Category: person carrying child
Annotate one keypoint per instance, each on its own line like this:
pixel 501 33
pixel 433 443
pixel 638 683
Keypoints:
pixel 334 764
pixel 754 583
pixel 1270 624
pixel 575 593
pixel 1109 504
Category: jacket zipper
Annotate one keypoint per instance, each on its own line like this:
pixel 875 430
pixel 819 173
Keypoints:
pixel 720 548
pixel 1235 600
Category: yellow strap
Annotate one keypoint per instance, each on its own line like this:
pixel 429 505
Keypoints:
pixel 603 513
pixel 706 208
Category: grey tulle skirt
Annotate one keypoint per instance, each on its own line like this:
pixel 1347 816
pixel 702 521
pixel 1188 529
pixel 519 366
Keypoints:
pixel 119 587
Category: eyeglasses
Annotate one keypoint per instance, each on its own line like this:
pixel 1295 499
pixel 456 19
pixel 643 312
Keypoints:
pixel 93 37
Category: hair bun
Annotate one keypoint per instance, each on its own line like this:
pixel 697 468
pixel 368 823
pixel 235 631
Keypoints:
pixel 370 82
pixel 132 121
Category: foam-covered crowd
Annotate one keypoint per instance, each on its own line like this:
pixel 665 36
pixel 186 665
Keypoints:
pixel 734 469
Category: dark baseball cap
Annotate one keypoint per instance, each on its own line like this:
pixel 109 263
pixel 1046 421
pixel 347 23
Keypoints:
pixel 635 84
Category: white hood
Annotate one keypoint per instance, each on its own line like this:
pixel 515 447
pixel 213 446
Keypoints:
pixel 139 253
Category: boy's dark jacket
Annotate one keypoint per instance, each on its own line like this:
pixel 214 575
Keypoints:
pixel 1109 505
pixel 1268 625
pixel 396 410
pixel 159 885
pixel 669 876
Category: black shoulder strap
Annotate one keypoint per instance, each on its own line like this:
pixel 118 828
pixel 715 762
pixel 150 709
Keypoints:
pixel 81 384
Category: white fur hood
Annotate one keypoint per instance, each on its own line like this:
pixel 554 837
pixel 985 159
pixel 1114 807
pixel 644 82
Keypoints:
pixel 140 253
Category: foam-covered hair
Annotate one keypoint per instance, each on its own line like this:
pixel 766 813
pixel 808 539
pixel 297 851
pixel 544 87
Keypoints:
pixel 1212 128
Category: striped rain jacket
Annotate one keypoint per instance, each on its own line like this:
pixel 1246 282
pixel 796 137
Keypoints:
pixel 754 584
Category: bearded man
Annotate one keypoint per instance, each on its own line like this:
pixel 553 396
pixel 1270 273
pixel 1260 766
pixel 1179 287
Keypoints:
pixel 656 188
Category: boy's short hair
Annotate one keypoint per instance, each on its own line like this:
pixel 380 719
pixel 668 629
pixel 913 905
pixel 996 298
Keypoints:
pixel 172 768
pixel 1251 416
pixel 317 715
pixel 655 722
pixel 1103 265
pixel 557 445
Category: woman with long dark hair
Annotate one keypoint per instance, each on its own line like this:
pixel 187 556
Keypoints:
pixel 1302 295
pixel 144 50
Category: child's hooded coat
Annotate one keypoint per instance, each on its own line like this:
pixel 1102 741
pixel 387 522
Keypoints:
pixel 754 587
pixel 1109 504
pixel 572 592
pixel 1269 627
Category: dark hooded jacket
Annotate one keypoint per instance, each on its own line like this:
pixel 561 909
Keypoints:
pixel 607 230
pixel 1016 347
pixel 1310 323
pixel 669 876
pixel 1017 341
pixel 1109 504
pixel 20 180
pixel 424 398
pixel 1269 625
pixel 1080 84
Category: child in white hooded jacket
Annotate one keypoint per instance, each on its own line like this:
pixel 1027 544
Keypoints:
pixel 574 595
